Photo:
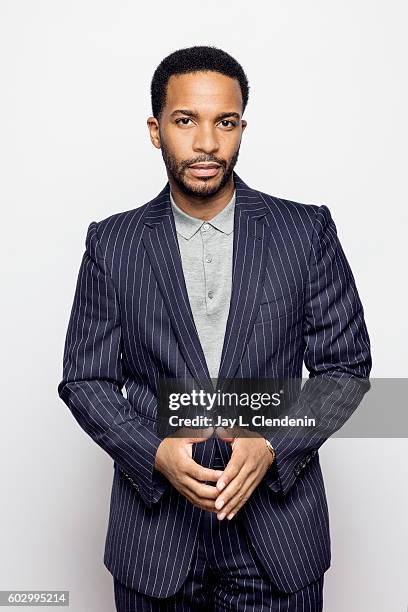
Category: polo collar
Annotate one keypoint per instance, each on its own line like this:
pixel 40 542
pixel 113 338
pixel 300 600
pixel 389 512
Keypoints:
pixel 187 226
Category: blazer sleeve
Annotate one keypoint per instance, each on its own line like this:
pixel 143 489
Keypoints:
pixel 337 355
pixel 92 377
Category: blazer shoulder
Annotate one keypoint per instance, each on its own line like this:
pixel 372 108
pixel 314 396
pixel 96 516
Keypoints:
pixel 283 207
pixel 118 227
pixel 116 220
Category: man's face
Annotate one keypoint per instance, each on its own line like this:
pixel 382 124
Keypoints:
pixel 201 123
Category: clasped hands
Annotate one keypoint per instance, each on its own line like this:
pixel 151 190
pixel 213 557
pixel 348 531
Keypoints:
pixel 250 459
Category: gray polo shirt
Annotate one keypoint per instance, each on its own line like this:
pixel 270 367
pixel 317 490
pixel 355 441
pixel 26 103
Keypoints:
pixel 206 253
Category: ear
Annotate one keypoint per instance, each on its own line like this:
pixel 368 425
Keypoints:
pixel 153 126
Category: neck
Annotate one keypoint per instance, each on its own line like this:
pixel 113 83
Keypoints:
pixel 204 208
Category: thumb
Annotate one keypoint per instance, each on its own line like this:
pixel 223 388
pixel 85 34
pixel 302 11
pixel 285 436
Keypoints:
pixel 227 435
pixel 199 435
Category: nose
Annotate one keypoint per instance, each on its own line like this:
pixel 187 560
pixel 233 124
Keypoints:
pixel 205 140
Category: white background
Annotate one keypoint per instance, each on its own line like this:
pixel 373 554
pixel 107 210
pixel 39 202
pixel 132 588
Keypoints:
pixel 327 124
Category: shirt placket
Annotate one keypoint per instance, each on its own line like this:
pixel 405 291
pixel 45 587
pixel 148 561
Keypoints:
pixel 207 233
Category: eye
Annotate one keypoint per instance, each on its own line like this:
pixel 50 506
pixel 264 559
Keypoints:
pixel 183 119
pixel 233 123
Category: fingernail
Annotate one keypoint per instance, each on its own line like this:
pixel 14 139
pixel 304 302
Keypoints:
pixel 220 485
pixel 229 517
pixel 221 516
pixel 219 504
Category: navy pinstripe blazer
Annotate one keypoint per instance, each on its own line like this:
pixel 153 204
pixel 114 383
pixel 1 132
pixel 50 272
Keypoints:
pixel 294 299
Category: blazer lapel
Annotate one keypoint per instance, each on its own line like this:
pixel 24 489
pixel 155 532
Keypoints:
pixel 250 249
pixel 250 246
pixel 161 243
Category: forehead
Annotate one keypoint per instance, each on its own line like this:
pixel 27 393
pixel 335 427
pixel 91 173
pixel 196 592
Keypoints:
pixel 209 91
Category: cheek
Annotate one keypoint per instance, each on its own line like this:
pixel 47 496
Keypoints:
pixel 177 144
pixel 183 147
pixel 229 148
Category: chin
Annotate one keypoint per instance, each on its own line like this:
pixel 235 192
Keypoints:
pixel 203 185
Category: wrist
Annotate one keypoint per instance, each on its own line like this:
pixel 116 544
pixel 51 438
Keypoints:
pixel 270 450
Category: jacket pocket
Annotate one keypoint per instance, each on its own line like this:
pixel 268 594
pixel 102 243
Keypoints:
pixel 282 306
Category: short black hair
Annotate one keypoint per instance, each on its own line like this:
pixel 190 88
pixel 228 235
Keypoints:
pixel 194 59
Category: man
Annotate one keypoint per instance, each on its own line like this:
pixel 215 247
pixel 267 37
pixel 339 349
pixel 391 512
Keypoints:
pixel 212 279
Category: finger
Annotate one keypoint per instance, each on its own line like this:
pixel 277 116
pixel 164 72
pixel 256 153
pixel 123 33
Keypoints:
pixel 204 504
pixel 203 497
pixel 238 500
pixel 202 491
pixel 233 488
pixel 199 472
pixel 231 471
pixel 195 434
pixel 227 434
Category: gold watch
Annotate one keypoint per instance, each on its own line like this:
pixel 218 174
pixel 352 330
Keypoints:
pixel 270 449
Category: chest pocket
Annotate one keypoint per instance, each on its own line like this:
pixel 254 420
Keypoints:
pixel 272 307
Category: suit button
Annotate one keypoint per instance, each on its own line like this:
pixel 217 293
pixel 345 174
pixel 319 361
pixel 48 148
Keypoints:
pixel 297 471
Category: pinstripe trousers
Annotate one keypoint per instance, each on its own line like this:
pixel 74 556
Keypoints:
pixel 225 574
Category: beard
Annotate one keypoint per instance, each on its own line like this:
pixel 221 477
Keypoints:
pixel 205 186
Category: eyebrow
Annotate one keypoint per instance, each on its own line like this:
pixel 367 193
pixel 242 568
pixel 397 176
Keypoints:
pixel 195 115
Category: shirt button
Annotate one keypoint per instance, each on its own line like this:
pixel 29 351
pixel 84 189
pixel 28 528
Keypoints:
pixel 205 226
pixel 208 259
pixel 210 294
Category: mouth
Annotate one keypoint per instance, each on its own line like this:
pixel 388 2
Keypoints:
pixel 204 169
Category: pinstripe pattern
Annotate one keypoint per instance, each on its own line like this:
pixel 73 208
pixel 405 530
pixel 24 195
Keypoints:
pixel 245 591
pixel 225 574
pixel 293 298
